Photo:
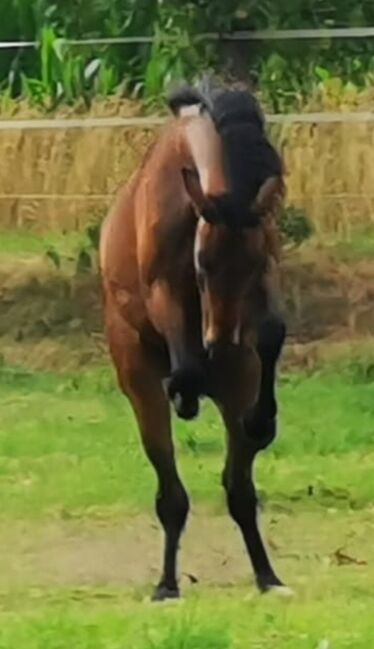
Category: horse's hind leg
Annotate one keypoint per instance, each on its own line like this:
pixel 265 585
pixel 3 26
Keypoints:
pixel 140 381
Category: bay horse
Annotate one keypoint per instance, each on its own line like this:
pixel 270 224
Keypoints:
pixel 188 259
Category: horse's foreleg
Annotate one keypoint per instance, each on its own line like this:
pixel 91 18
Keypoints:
pixel 260 421
pixel 141 382
pixel 242 501
pixel 172 504
pixel 248 436
pixel 185 383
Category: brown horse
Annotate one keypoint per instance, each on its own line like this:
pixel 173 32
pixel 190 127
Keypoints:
pixel 188 263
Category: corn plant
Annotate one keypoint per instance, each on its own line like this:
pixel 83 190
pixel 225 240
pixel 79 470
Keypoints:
pixel 289 73
pixel 66 75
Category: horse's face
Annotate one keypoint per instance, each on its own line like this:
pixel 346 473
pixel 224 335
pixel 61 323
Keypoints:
pixel 228 260
pixel 229 246
pixel 225 263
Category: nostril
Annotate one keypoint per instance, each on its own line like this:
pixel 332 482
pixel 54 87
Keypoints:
pixel 209 346
pixel 210 351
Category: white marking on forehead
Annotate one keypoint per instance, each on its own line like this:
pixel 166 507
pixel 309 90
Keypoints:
pixel 204 179
pixel 190 111
pixel 205 148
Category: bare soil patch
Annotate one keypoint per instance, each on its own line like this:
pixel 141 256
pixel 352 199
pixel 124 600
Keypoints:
pixel 81 553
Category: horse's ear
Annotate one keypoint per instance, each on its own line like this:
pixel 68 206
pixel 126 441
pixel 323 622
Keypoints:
pixel 269 193
pixel 194 190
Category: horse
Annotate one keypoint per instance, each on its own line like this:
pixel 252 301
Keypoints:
pixel 188 261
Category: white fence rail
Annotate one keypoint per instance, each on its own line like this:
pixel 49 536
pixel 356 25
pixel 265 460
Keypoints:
pixel 156 120
pixel 259 35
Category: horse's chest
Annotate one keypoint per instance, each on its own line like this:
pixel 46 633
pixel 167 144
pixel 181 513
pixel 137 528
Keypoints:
pixel 168 253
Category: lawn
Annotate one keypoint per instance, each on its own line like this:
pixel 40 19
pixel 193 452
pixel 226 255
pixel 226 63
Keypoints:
pixel 80 546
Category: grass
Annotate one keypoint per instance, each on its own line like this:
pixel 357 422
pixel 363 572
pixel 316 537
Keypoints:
pixel 212 619
pixel 70 458
pixel 23 243
pixel 360 245
pixel 67 442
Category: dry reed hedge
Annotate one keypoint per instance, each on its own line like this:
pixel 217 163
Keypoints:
pixel 72 163
pixel 330 173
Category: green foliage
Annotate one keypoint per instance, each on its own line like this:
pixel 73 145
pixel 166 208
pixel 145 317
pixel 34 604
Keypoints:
pixel 173 54
pixel 295 225
pixel 289 72
pixel 54 256
pixel 86 257
pixel 66 74
pixel 83 253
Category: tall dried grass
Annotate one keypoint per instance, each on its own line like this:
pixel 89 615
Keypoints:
pixel 330 170
pixel 330 174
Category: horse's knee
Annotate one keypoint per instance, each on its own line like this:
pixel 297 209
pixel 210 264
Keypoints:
pixel 261 422
pixel 271 337
pixel 241 499
pixel 261 426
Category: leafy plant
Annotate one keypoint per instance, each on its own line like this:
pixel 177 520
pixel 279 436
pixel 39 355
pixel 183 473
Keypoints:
pixel 295 225
pixel 54 256
pixel 290 72
pixel 87 252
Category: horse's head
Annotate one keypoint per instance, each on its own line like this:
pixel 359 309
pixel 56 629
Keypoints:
pixel 229 260
pixel 232 180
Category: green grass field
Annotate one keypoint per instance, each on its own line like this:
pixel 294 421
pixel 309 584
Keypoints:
pixel 80 547
pixel 360 245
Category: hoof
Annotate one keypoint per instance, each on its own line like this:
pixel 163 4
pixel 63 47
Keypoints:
pixel 183 388
pixel 185 408
pixel 267 583
pixel 163 593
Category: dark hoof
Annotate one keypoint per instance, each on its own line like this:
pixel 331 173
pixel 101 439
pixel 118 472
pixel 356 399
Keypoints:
pixel 186 408
pixel 266 583
pixel 183 389
pixel 163 593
